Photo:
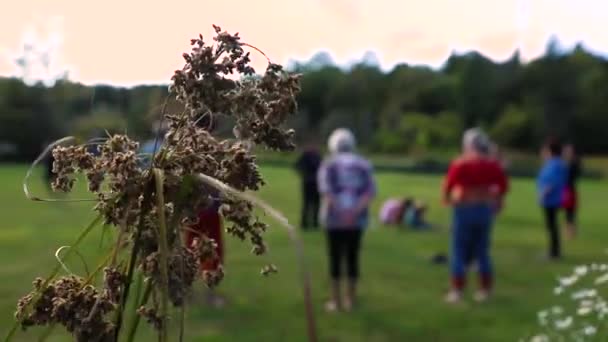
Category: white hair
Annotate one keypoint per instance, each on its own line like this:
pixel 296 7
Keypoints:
pixel 476 140
pixel 341 140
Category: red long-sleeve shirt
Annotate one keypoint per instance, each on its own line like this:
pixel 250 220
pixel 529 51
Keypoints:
pixel 474 179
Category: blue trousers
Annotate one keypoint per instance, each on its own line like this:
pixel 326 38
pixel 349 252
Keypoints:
pixel 471 234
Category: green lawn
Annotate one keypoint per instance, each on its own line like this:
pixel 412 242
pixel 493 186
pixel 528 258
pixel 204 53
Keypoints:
pixel 401 291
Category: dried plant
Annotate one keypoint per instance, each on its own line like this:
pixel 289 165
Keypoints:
pixel 151 204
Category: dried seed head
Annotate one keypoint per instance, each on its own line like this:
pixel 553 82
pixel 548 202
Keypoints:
pixel 217 81
pixel 68 301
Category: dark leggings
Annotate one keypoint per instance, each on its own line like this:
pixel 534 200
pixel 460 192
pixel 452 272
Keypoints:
pixel 553 230
pixel 344 244
pixel 571 215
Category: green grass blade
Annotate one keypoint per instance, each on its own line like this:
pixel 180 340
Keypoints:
pixel 132 262
pixel 136 299
pixel 163 253
pixel 136 317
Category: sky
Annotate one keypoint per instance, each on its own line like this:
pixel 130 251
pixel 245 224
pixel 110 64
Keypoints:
pixel 128 42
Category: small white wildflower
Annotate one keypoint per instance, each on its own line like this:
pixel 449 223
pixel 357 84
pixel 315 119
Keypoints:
pixel 595 267
pixel 542 318
pixel 601 279
pixel 581 270
pixel 540 338
pixel 584 311
pixel 585 293
pixel 587 303
pixel 562 324
pixel 590 330
pixel 602 312
pixel 568 281
pixel 542 322
pixel 558 290
pixel 603 267
pixel 557 310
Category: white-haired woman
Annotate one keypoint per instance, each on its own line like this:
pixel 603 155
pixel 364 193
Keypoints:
pixel 347 186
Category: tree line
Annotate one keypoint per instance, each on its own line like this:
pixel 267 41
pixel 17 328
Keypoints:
pixel 409 108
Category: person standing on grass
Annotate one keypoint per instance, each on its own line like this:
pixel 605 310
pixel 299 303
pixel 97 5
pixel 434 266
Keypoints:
pixel 347 187
pixel 307 166
pixel 551 183
pixel 472 186
pixel 209 220
pixel 493 152
pixel 570 197
pixel 209 225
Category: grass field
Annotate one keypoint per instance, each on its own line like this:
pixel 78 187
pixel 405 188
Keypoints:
pixel 401 291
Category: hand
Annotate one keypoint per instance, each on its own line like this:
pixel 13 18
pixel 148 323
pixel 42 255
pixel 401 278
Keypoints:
pixel 349 217
pixel 497 208
pixel 543 195
pixel 446 202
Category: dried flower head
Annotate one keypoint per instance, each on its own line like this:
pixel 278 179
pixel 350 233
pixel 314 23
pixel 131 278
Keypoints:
pixel 151 201
pixel 69 301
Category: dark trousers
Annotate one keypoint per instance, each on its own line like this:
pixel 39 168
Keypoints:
pixel 310 206
pixel 344 245
pixel 553 230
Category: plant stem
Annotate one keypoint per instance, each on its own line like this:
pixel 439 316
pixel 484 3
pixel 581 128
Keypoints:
pixel 132 261
pixel 136 317
pixel 163 253
pixel 125 294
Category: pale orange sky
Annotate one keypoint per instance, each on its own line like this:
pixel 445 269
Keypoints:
pixel 134 41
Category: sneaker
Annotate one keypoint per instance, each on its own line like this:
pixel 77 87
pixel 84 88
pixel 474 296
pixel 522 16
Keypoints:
pixel 481 296
pixel 348 305
pixel 331 306
pixel 571 232
pixel 453 297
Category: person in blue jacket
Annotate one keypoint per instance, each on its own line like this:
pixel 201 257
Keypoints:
pixel 551 183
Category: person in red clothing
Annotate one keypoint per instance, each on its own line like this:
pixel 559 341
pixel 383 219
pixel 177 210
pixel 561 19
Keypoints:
pixel 570 196
pixel 473 186
pixel 210 225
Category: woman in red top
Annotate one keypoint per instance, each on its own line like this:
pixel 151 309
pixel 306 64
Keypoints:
pixel 473 186
pixel 209 225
